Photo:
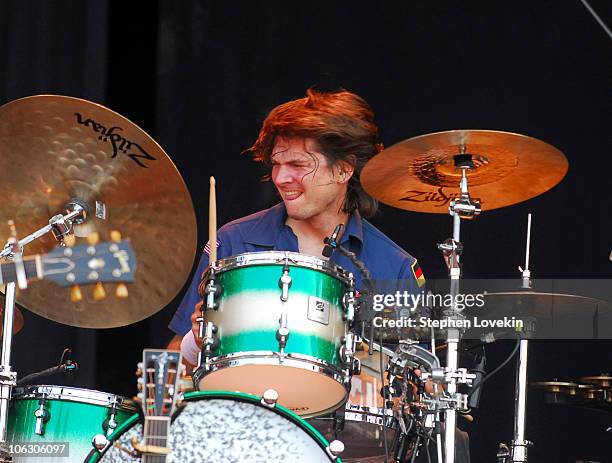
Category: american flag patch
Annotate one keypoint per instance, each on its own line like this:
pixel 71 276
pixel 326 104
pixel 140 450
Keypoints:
pixel 418 273
pixel 207 247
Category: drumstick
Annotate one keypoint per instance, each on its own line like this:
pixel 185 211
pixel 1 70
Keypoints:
pixel 212 222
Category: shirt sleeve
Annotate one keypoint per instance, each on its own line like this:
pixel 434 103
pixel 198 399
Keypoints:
pixel 181 321
pixel 411 277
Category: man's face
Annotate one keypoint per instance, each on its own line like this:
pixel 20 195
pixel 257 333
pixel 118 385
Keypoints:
pixel 306 182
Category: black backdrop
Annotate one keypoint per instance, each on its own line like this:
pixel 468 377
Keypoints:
pixel 200 76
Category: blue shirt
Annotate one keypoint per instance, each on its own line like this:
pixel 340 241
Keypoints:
pixel 266 231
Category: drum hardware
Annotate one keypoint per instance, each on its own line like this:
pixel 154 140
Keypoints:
pixel 42 416
pixel 335 449
pixel 269 398
pixel 111 423
pixel 284 283
pixel 282 334
pixel 99 442
pixel 348 301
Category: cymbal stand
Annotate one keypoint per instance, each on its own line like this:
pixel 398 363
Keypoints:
pixel 461 208
pixel 518 447
pixel 61 225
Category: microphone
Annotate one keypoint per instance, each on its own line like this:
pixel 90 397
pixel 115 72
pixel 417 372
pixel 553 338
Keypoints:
pixel 331 242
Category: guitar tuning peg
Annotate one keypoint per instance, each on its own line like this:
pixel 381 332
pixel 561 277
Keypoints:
pixel 138 372
pixel 70 240
pixel 140 396
pixel 93 238
pixel 140 365
pixel 75 294
pixel 99 293
pixel 115 236
pixel 121 292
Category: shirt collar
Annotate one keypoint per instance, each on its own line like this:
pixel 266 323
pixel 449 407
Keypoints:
pixel 268 226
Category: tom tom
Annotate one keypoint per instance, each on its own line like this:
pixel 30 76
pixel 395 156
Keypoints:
pixel 279 322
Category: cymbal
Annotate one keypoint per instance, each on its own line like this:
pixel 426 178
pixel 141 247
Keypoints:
pixel 17 318
pixel 604 380
pixel 539 303
pixel 419 174
pixel 556 386
pixel 57 148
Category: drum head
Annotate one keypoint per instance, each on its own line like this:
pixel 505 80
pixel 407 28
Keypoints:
pixel 232 428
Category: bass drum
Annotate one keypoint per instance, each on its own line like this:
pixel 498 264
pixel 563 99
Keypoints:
pixel 227 427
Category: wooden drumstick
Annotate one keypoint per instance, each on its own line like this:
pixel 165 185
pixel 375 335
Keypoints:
pixel 212 222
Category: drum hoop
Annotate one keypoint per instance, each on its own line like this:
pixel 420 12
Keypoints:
pixel 278 409
pixel 74 394
pixel 294 259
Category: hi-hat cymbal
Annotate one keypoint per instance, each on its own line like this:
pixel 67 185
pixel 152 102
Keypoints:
pixel 419 174
pixel 54 149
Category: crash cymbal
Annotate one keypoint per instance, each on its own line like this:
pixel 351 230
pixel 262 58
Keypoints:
pixel 604 381
pixel 535 303
pixel 56 148
pixel 419 174
pixel 17 318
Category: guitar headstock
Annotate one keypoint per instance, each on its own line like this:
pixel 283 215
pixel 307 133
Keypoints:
pixel 92 263
pixel 161 371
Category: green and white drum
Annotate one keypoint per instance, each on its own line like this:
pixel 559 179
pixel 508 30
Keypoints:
pixel 47 416
pixel 280 322
pixel 227 427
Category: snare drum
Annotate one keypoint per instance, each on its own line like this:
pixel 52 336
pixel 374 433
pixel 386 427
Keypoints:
pixel 227 427
pixel 50 415
pixel 262 294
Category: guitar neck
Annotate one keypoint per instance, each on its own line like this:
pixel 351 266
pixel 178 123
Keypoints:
pixel 156 432
pixel 32 267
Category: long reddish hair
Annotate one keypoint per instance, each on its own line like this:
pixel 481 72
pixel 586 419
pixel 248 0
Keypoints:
pixel 342 123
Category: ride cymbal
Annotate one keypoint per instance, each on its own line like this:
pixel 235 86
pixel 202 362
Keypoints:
pixel 420 174
pixel 56 149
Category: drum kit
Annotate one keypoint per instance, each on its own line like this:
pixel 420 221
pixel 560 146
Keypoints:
pixel 287 370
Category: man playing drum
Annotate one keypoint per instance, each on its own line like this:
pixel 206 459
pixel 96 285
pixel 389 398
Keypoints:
pixel 316 147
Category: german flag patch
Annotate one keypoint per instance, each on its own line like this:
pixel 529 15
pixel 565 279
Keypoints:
pixel 418 273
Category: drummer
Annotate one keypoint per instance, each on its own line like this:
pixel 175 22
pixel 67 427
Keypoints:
pixel 316 147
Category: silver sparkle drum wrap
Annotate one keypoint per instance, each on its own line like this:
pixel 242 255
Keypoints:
pixel 231 430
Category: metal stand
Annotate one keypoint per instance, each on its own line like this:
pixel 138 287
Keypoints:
pixel 60 225
pixel 519 445
pixel 462 208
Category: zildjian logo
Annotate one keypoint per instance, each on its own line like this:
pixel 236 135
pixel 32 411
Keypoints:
pixel 438 197
pixel 119 143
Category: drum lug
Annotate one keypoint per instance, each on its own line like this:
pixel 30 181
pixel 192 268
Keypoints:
pixel 269 398
pixel 211 291
pixel 347 353
pixel 349 301
pixel 282 334
pixel 42 416
pixel 284 282
pixel 334 449
pixel 99 442
pixel 110 423
pixel 210 343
